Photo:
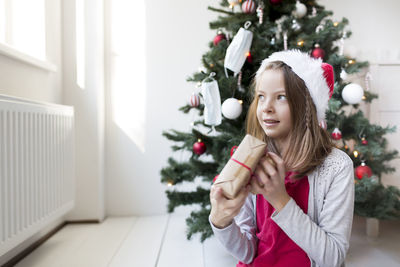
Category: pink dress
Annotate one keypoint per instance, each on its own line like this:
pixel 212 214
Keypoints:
pixel 275 248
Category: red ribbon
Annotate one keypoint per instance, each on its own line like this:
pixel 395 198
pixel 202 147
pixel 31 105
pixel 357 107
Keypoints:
pixel 233 149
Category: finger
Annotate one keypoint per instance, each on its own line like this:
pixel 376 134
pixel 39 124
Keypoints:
pixel 238 201
pixel 255 187
pixel 280 165
pixel 218 194
pixel 261 176
pixel 269 169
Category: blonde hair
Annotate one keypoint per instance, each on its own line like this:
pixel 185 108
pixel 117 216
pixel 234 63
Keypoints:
pixel 309 144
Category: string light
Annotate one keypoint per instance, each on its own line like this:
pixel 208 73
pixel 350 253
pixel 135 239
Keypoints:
pixel 300 43
pixel 363 97
pixel 352 61
pixel 240 102
pixel 211 65
pixel 169 184
pixel 346 147
pixel 199 140
pixel 355 153
pixel 336 24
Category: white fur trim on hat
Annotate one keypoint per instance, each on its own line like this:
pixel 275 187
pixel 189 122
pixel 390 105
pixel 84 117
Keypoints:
pixel 309 70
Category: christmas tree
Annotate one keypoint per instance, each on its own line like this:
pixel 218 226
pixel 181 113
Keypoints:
pixel 246 33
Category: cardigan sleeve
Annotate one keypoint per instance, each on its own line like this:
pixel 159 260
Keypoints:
pixel 328 241
pixel 239 238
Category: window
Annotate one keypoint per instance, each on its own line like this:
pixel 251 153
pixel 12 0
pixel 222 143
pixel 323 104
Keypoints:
pixel 22 26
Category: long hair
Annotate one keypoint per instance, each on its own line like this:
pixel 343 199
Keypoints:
pixel 309 144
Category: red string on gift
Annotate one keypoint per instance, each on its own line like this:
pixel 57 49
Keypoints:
pixel 233 149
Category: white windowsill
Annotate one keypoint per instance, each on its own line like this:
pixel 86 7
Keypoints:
pixel 13 53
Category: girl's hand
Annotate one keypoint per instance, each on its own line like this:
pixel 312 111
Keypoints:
pixel 223 210
pixel 270 181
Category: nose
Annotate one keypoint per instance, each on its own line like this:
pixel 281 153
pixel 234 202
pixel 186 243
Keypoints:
pixel 268 106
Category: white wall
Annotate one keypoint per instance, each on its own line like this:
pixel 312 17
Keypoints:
pixel 178 34
pixel 89 108
pixel 374 26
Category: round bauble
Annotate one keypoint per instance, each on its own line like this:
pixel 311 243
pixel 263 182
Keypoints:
pixel 363 170
pixel 352 93
pixel 231 108
pixel 219 38
pixel 199 148
pixel 336 134
pixel 194 100
pixel 318 52
pixel 248 7
pixel 300 11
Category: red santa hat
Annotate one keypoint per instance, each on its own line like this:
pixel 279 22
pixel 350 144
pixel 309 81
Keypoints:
pixel 317 76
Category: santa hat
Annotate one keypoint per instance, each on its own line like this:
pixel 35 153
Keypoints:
pixel 317 76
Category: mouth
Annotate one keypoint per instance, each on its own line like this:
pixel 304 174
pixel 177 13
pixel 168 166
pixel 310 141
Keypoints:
pixel 270 122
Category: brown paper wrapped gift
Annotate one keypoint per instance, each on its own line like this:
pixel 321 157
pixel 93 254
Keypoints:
pixel 234 176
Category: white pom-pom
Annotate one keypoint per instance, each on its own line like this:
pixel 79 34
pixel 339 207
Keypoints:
pixel 352 93
pixel 231 108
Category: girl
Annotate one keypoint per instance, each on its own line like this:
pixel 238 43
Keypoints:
pixel 301 212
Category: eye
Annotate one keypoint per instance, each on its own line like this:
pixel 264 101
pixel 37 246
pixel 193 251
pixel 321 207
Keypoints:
pixel 260 97
pixel 283 97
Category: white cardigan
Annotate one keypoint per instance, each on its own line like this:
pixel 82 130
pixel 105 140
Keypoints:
pixel 323 233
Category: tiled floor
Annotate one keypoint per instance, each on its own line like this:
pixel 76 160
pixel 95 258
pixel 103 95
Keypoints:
pixel 161 241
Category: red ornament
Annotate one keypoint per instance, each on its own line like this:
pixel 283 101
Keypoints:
pixel 318 52
pixel 249 58
pixel 219 38
pixel 364 141
pixel 363 170
pixel 275 2
pixel 336 134
pixel 248 6
pixel 199 147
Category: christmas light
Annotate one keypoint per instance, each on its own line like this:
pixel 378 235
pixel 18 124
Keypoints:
pixel 169 184
pixel 300 43
pixel 240 101
pixel 211 65
pixel 363 97
pixel 355 153
pixel 352 61
pixel 346 147
pixel 336 24
pixel 199 140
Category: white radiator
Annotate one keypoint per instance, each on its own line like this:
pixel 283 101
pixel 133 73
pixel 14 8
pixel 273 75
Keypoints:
pixel 36 167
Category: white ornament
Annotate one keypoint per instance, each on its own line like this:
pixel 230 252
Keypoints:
pixel 212 102
pixel 343 75
pixel 236 53
pixel 350 51
pixel 352 93
pixel 231 108
pixel 301 10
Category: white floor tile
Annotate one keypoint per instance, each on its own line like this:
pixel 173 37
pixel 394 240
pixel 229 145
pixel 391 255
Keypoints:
pixel 176 249
pixel 143 242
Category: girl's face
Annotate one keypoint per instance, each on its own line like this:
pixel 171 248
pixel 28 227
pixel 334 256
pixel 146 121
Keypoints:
pixel 273 111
